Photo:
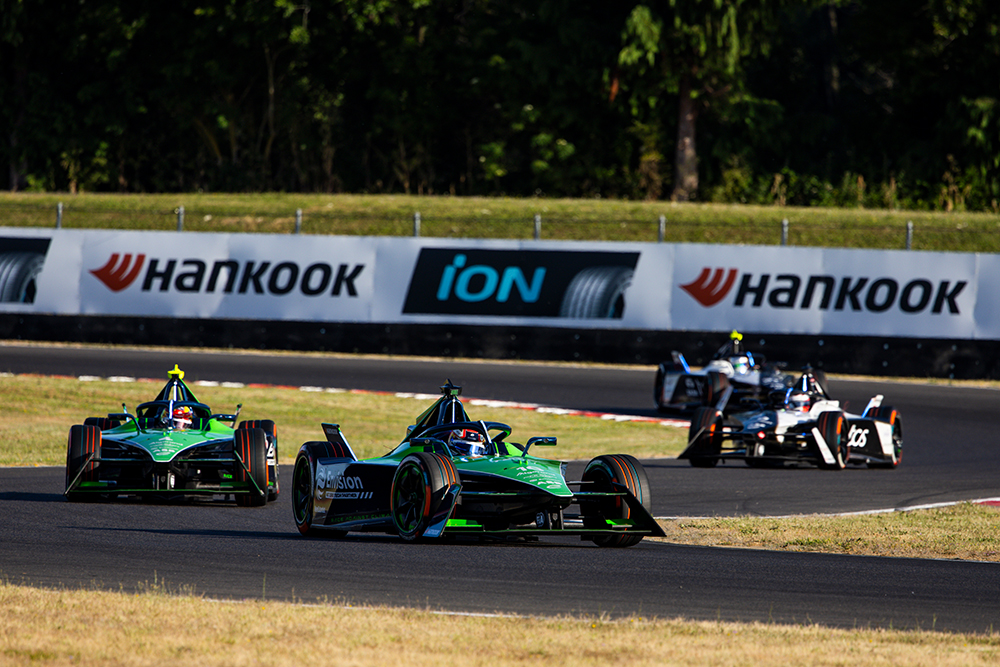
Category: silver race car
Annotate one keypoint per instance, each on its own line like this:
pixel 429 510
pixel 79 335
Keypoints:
pixel 800 425
pixel 679 388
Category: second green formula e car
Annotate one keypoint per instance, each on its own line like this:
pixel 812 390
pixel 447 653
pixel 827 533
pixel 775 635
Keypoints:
pixel 452 475
pixel 173 447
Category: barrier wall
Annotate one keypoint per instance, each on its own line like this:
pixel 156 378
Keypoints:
pixel 629 293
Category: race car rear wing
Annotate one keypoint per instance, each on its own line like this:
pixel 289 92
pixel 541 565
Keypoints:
pixel 336 437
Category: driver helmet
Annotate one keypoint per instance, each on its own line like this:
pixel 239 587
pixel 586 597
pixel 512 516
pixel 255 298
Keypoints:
pixel 741 365
pixel 799 401
pixel 467 442
pixel 182 417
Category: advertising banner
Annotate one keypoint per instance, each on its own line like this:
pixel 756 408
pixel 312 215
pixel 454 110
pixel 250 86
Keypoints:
pixel 603 285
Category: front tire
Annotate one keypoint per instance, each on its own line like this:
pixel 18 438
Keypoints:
pixel 271 429
pixel 250 447
pixel 102 423
pixel 715 384
pixel 84 442
pixel 705 433
pixel 609 473
pixel 891 416
pixel 831 427
pixel 417 488
pixel 304 487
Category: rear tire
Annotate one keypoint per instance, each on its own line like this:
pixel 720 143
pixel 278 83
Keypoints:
pixel 831 427
pixel 706 433
pixel 889 415
pixel 604 473
pixel 250 447
pixel 84 441
pixel 416 489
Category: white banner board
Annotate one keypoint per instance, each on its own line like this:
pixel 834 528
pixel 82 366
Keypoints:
pixel 766 289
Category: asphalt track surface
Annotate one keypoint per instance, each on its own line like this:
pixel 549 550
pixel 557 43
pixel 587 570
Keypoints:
pixel 950 454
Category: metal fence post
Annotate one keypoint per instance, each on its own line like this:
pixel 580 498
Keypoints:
pixel 538 226
pixel 416 224
pixel 298 220
pixel 59 209
pixel 784 232
pixel 663 229
pixel 909 234
pixel 180 218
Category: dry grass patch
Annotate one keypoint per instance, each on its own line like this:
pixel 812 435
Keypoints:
pixel 966 532
pixel 36 413
pixel 90 627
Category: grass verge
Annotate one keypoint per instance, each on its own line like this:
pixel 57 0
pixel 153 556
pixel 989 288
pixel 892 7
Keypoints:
pixel 966 531
pixel 72 627
pixel 506 218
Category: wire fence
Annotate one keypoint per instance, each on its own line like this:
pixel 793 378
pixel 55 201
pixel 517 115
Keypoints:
pixel 930 233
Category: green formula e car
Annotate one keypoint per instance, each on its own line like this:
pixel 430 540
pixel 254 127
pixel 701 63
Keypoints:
pixel 173 446
pixel 452 476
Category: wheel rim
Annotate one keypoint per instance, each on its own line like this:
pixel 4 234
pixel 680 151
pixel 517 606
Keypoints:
pixel 303 492
pixel 409 499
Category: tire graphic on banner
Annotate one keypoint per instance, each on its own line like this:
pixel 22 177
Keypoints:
pixel 597 292
pixel 18 271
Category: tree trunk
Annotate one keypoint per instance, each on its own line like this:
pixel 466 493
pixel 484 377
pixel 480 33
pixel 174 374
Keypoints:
pixel 686 159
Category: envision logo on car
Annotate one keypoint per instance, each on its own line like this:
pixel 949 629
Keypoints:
pixel 789 290
pixel 520 283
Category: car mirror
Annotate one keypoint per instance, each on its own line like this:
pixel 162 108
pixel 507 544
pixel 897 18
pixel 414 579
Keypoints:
pixel 541 441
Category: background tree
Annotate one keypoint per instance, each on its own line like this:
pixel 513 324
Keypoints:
pixel 691 50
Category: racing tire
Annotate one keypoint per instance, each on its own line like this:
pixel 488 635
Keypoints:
pixel 597 292
pixel 269 427
pixel 304 487
pixel 715 384
pixel 18 274
pixel 102 423
pixel 417 487
pixel 658 389
pixel 84 441
pixel 250 447
pixel 831 427
pixel 888 414
pixel 607 473
pixel 705 433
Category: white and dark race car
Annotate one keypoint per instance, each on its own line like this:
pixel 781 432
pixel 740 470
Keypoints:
pixel 679 388
pixel 800 425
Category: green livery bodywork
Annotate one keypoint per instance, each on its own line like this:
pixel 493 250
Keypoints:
pixel 451 475
pixel 173 446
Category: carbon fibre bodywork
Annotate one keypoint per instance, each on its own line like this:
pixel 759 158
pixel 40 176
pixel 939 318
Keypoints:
pixel 424 488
